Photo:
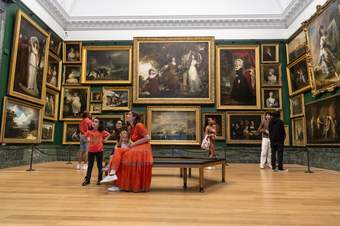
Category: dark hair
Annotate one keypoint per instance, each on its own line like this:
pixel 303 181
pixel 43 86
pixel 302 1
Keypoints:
pixel 268 113
pixel 101 126
pixel 85 114
pixel 137 117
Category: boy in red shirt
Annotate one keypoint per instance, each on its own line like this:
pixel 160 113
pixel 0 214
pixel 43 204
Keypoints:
pixel 84 126
pixel 96 138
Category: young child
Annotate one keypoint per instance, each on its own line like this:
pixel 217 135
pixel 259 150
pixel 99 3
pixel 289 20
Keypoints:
pixel 96 138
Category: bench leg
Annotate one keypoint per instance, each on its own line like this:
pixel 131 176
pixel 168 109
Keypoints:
pixel 180 172
pixel 201 175
pixel 223 172
pixel 189 172
pixel 185 177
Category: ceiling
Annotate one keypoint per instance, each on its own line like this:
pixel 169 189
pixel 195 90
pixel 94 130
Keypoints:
pixel 174 14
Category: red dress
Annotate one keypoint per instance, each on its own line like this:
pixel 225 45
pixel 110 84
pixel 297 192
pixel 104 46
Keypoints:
pixel 134 166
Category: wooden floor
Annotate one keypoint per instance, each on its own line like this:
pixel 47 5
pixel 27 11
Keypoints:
pixel 52 195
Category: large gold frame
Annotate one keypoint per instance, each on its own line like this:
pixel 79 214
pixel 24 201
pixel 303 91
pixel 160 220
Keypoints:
pixel 64 132
pixel 56 105
pixel 218 77
pixel 277 49
pixel 19 16
pixel 138 100
pixel 222 114
pixel 280 99
pixel 228 125
pixel 303 89
pixel 53 131
pixel 105 108
pixel 105 48
pixel 115 116
pixel 197 110
pixel 304 132
pixel 59 76
pixel 302 96
pixel 65 55
pixel 4 114
pixel 87 88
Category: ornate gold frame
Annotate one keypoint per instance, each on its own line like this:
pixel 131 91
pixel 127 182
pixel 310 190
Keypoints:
pixel 279 75
pixel 218 77
pixel 277 49
pixel 64 74
pixel 280 99
pixel 56 105
pixel 197 110
pixel 181 100
pixel 304 132
pixel 56 51
pixel 53 131
pixel 20 16
pixel 118 117
pixel 64 133
pixel 92 111
pixel 302 96
pixel 91 96
pixel 60 69
pixel 61 117
pixel 222 114
pixel 105 48
pixel 4 114
pixel 64 52
pixel 297 33
pixel 128 108
pixel 307 87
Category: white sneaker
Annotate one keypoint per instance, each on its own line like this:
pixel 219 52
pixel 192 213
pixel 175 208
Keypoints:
pixel 109 178
pixel 270 166
pixel 85 167
pixel 78 166
pixel 261 167
pixel 113 189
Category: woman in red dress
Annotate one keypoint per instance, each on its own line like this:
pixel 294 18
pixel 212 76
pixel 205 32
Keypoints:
pixel 133 165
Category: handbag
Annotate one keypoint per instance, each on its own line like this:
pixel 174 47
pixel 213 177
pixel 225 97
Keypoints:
pixel 205 143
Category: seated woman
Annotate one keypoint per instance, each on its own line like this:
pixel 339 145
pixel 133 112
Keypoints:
pixel 132 166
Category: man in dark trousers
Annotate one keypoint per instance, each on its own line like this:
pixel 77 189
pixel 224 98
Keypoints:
pixel 277 136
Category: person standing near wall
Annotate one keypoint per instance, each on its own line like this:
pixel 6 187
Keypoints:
pixel 265 147
pixel 84 126
pixel 277 136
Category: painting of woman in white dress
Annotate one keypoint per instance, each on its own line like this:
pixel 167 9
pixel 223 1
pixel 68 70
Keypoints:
pixel 74 101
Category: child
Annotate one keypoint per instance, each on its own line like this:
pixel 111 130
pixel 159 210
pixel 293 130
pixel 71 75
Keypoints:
pixel 96 138
pixel 84 126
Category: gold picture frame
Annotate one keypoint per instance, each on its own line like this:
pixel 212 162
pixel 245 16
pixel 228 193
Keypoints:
pixel 71 133
pixel 299 134
pixel 51 105
pixel 76 55
pixel 271 75
pixel 95 108
pixel 46 135
pixel 295 102
pixel 28 84
pixel 165 70
pixel 224 93
pixel 25 129
pixel 220 122
pixel 116 98
pixel 113 53
pixel 274 102
pixel 71 114
pixel 52 73
pixel 109 125
pixel 96 96
pixel 71 74
pixel 266 53
pixel 174 130
pixel 296 45
pixel 287 139
pixel 55 43
pixel 298 68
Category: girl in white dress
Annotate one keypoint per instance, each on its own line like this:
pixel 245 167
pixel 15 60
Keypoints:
pixel 33 63
pixel 76 104
pixel 194 80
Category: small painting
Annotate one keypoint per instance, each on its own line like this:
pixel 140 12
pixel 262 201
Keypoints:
pixel 116 99
pixel 53 79
pixel 71 74
pixel 47 133
pixel 298 76
pixel 218 117
pixel 71 133
pixel 298 132
pixel 74 101
pixel 55 43
pixel 297 106
pixel 96 96
pixel 270 53
pixel 71 52
pixel 51 105
pixel 296 45
pixel 271 74
pixel 95 108
pixel 271 98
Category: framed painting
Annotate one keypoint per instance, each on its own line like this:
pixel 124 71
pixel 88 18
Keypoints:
pixel 55 43
pixel 271 75
pixel 47 131
pixel 271 98
pixel 106 65
pixel 323 38
pixel 238 77
pixel 298 76
pixel 297 106
pixel 71 74
pixel 28 68
pixel 51 105
pixel 174 125
pixel 241 127
pixel 287 140
pixel 219 118
pixel 173 70
pixel 95 108
pixel 270 53
pixel 53 79
pixel 71 134
pixel 74 101
pixel 96 96
pixel 298 132
pixel 296 45
pixel 116 98
pixel 110 124
pixel 21 122
pixel 71 52
pixel 322 120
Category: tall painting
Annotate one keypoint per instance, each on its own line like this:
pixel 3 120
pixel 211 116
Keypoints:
pixel 73 102
pixel 27 76
pixel 298 76
pixel 53 79
pixel 51 105
pixel 238 77
pixel 173 70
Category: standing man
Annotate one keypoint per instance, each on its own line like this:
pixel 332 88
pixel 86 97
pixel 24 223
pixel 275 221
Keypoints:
pixel 84 126
pixel 277 136
pixel 265 147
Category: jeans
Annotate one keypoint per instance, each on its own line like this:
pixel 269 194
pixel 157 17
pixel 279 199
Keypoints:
pixel 99 159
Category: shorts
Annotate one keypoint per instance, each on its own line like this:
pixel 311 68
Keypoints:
pixel 84 144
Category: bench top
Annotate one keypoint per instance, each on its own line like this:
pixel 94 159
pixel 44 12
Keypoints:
pixel 185 161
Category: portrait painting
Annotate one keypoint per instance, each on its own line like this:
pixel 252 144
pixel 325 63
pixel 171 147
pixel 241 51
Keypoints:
pixel 270 53
pixel 323 121
pixel 297 106
pixel 287 140
pixel 116 99
pixel 21 122
pixel 298 132
pixel 96 96
pixel 271 98
pixel 271 74
pixel 54 71
pixel 47 131
pixel 242 127
pixel 173 70
pixel 174 125
pixel 71 74
pixel 71 134
pixel 51 105
pixel 95 108
pixel 107 65
pixel 296 45
pixel 323 37
pixel 219 120
pixel 28 68
pixel 110 125
pixel 298 76
pixel 71 52
pixel 238 77
pixel 74 101
pixel 55 43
